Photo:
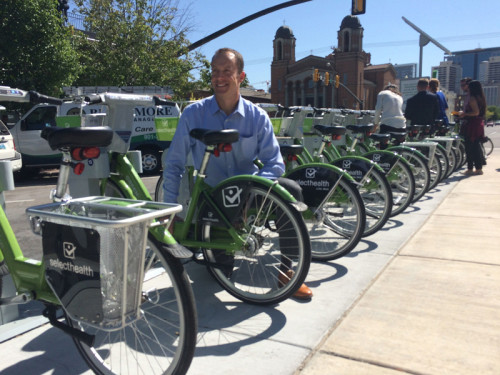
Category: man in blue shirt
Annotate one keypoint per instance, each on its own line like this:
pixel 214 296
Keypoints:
pixel 226 109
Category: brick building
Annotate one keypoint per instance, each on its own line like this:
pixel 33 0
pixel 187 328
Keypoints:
pixel 292 81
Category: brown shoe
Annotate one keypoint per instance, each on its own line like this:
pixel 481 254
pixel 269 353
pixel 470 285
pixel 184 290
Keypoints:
pixel 468 172
pixel 478 172
pixel 302 293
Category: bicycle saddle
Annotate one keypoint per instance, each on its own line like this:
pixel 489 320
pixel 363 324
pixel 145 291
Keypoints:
pixel 330 130
pixel 380 137
pixel 215 137
pixel 58 138
pixel 398 136
pixel 291 149
pixel 361 128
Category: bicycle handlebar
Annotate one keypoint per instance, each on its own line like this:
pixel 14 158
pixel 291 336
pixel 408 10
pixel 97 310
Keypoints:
pixel 36 97
pixel 93 99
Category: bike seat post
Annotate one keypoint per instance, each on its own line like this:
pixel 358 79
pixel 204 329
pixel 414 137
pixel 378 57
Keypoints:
pixel 208 151
pixel 58 194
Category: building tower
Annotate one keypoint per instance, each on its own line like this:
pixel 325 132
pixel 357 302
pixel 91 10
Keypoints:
pixel 283 56
pixel 350 61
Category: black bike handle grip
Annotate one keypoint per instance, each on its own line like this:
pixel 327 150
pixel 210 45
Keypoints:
pixel 160 101
pixel 93 99
pixel 36 97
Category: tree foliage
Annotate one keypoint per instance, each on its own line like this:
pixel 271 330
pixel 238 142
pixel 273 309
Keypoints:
pixel 136 43
pixel 35 48
pixel 493 113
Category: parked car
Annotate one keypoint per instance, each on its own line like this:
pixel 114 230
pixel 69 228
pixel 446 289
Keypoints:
pixel 490 123
pixel 7 148
pixel 497 122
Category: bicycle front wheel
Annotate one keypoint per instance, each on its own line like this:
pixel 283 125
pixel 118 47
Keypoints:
pixel 402 183
pixel 163 339
pixel 274 260
pixel 488 146
pixel 421 172
pixel 336 216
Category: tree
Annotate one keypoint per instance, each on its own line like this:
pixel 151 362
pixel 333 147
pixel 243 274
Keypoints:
pixel 35 47
pixel 136 43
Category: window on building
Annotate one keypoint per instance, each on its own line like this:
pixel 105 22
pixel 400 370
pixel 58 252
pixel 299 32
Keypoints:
pixel 279 84
pixel 346 41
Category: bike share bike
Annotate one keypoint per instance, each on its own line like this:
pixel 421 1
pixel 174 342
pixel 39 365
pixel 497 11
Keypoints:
pixel 128 307
pixel 247 230
pixel 298 126
pixel 335 214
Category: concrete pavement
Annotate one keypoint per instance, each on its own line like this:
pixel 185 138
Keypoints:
pixel 435 309
pixel 420 296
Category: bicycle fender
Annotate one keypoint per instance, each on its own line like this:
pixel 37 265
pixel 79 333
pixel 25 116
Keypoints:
pixel 316 180
pixel 413 150
pixel 356 166
pixel 385 159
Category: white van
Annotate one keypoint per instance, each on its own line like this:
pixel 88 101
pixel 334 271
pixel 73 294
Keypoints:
pixel 8 149
pixel 152 132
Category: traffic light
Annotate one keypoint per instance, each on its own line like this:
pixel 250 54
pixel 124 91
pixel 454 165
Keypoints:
pixel 358 7
pixel 327 78
pixel 337 81
pixel 316 75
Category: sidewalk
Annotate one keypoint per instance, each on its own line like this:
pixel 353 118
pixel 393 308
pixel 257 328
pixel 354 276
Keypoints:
pixel 435 309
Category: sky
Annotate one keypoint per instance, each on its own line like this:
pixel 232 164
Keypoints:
pixel 456 24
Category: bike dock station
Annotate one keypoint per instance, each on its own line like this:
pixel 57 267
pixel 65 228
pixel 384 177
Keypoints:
pixel 419 296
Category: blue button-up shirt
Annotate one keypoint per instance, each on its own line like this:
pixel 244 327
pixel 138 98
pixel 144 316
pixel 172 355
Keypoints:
pixel 256 141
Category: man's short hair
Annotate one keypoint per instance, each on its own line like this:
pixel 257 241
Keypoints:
pixel 239 59
pixel 423 83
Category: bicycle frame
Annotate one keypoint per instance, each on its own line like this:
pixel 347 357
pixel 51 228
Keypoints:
pixel 28 274
pixel 127 179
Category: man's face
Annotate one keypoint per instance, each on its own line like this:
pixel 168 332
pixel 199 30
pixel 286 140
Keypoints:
pixel 225 76
pixel 464 86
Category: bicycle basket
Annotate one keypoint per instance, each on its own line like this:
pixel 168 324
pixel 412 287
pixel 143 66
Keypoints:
pixel 94 253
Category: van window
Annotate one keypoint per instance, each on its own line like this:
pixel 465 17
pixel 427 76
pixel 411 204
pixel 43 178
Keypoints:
pixel 41 118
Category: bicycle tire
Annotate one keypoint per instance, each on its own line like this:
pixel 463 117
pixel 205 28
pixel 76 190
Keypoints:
pixel 4 271
pixel 452 163
pixel 420 170
pixel 443 159
pixel 463 156
pixel 488 146
pixel 277 243
pixel 159 190
pixel 400 177
pixel 374 189
pixel 335 218
pixel 163 340
pixel 436 171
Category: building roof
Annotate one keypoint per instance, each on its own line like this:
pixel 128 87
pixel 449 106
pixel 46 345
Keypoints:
pixel 379 67
pixel 350 22
pixel 284 32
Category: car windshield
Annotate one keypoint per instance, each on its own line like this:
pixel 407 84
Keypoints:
pixel 3 129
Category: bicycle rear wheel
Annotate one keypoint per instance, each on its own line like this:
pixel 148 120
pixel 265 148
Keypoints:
pixel 420 170
pixel 374 189
pixel 443 160
pixel 163 340
pixel 336 215
pixel 488 146
pixel 274 261
pixel 436 171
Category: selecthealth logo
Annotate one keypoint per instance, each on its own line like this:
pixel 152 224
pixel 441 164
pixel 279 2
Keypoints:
pixel 310 180
pixel 69 252
pixel 231 196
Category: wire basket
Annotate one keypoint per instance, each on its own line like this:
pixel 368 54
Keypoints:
pixel 94 254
